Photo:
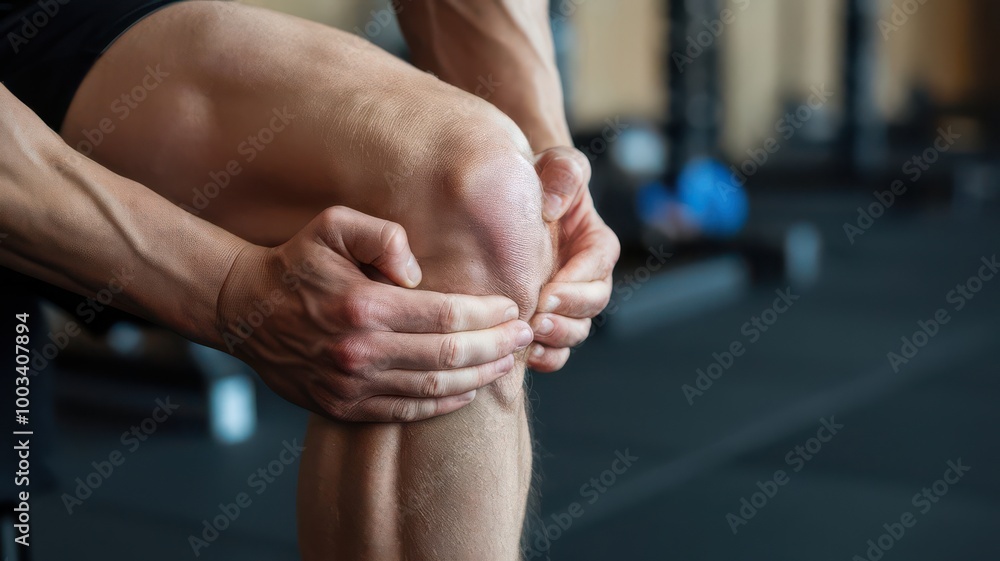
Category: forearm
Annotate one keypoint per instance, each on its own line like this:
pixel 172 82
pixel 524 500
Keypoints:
pixel 499 50
pixel 72 223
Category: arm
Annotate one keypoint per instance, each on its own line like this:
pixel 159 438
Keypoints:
pixel 73 223
pixel 499 50
pixel 502 50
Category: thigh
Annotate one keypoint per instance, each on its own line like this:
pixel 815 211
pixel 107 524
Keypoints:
pixel 256 120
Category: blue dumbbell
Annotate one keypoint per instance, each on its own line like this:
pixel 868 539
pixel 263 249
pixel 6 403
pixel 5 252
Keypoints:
pixel 713 199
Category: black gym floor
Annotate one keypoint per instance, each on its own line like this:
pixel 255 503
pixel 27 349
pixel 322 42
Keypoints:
pixel 825 358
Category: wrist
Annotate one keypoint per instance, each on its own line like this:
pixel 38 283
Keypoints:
pixel 243 284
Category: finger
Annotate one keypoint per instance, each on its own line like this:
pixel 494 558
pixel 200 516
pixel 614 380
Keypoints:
pixel 557 331
pixel 596 260
pixel 422 351
pixel 575 299
pixel 372 241
pixel 547 359
pixel 443 383
pixel 392 409
pixel 401 310
pixel 564 172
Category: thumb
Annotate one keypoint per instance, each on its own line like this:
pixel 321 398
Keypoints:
pixel 564 173
pixel 372 241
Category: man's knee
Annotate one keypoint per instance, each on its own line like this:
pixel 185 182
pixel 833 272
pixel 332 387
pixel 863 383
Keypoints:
pixel 498 196
pixel 491 232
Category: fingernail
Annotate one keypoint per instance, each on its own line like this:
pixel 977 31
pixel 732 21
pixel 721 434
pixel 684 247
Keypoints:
pixel 537 351
pixel 551 303
pixel 511 313
pixel 413 271
pixel 545 327
pixel 468 396
pixel 551 206
pixel 524 338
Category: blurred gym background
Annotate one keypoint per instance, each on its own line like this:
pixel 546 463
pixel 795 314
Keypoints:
pixel 798 361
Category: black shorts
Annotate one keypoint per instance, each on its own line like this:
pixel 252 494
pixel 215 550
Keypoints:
pixel 48 46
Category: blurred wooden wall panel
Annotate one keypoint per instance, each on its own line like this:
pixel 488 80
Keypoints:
pixel 751 75
pixel 337 13
pixel 617 65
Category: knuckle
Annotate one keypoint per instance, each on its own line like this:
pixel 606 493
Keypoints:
pixel 484 373
pixel 350 356
pixel 506 342
pixel 434 385
pixel 350 388
pixel 358 308
pixel 350 411
pixel 449 316
pixel 334 215
pixel 403 411
pixel 336 411
pixel 451 353
pixel 393 238
pixel 334 406
pixel 562 179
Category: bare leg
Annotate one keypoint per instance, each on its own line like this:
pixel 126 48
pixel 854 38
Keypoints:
pixel 372 133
